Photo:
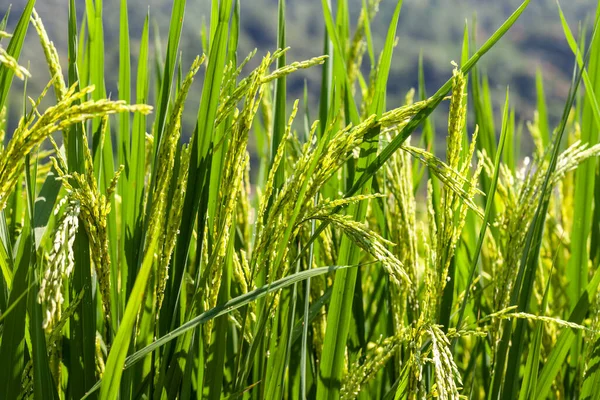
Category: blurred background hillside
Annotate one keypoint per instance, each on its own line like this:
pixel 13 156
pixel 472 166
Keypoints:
pixel 433 27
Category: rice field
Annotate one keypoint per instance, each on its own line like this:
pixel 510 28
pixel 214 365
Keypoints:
pixel 359 258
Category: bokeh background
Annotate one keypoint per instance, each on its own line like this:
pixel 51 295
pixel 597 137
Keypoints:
pixel 431 27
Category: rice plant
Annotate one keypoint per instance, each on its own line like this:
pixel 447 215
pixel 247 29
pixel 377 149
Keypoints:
pixel 355 260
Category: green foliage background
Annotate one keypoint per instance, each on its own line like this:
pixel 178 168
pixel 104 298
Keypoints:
pixel 431 27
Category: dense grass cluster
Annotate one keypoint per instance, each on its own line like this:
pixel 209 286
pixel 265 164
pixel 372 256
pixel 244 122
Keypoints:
pixel 358 262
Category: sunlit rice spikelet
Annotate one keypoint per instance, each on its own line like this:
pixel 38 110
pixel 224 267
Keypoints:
pixel 51 56
pixel 100 365
pixel 338 151
pixel 373 244
pixel 234 171
pixel 10 62
pixel 94 210
pixel 326 206
pixel 446 372
pixel 285 205
pixel 358 44
pixel 174 220
pixel 571 158
pixel 355 59
pixel 268 189
pixel 536 134
pixel 166 153
pixel 164 174
pixel 402 228
pixel 231 75
pixel 510 312
pixel 315 166
pixel 220 249
pixel 396 119
pixel 60 262
pixel 240 266
pixel 342 143
pixel 328 249
pixel 456 120
pixel 228 103
pixel 360 373
pixel 520 194
pixel 451 178
pixel 245 213
pixel 293 67
pixel 33 130
pixel 456 197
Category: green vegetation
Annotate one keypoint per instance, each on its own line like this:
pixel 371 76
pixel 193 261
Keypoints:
pixel 357 263
pixel 431 27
